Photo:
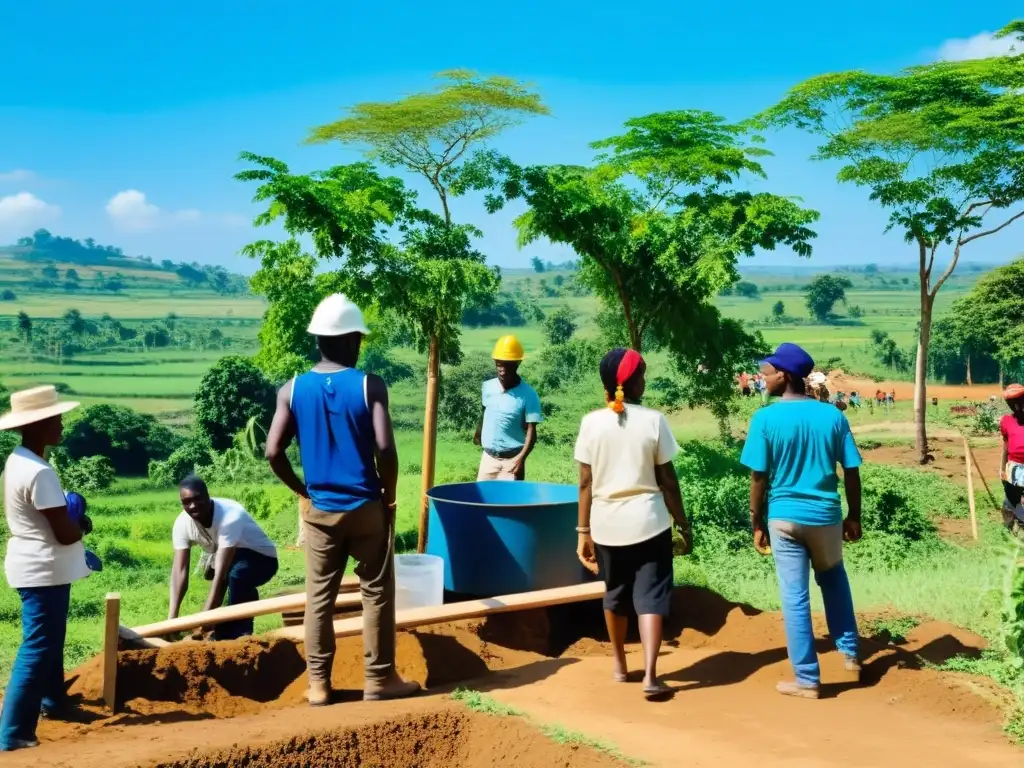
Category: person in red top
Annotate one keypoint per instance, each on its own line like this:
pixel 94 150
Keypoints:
pixel 1012 468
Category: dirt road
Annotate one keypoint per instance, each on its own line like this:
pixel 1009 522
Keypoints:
pixel 905 389
pixel 240 704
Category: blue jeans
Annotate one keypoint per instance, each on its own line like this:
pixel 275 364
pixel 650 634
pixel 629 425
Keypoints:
pixel 249 571
pixel 796 549
pixel 37 678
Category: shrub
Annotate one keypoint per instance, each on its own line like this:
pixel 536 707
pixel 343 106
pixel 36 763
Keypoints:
pixel 374 359
pixel 91 474
pixel 231 393
pixel 190 456
pixel 568 364
pixel 128 438
pixel 459 406
pixel 559 326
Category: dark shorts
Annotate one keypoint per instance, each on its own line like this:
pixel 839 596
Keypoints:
pixel 637 576
pixel 1012 510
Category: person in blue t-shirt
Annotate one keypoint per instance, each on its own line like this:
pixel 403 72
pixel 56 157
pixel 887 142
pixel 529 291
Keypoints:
pixel 792 450
pixel 511 412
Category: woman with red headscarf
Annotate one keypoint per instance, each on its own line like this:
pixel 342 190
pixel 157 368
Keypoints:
pixel 1012 468
pixel 629 499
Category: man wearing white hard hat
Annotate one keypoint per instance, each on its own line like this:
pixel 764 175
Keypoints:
pixel 44 557
pixel 339 416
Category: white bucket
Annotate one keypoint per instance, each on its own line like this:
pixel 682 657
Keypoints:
pixel 419 581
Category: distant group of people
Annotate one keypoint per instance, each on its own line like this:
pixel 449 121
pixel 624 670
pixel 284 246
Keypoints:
pixel 753 385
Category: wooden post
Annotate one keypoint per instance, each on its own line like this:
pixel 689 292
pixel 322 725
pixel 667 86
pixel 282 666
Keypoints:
pixel 110 639
pixel 970 488
pixel 429 439
pixel 981 475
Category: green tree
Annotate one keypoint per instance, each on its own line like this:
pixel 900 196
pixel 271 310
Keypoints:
pixel 128 438
pixel 50 272
pixel 231 393
pixel 559 326
pixel 25 326
pixel 939 146
pixel 660 229
pixel 74 323
pixel 433 135
pixel 72 276
pixel 538 265
pixel 747 289
pixel 778 310
pixel 823 292
pixel 995 305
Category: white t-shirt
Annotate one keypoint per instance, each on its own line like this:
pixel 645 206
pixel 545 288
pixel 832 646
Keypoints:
pixel 232 527
pixel 34 556
pixel 628 506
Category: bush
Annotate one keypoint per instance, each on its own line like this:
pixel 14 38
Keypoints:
pixel 128 438
pixel 374 359
pixel 559 326
pixel 88 475
pixel 190 456
pixel 232 392
pixel 459 405
pixel 568 364
pixel 505 311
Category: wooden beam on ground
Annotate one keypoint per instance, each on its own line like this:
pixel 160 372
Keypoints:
pixel 282 604
pixel 471 609
pixel 970 488
pixel 110 637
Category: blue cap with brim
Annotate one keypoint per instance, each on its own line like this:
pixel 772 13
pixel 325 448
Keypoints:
pixel 92 560
pixel 792 359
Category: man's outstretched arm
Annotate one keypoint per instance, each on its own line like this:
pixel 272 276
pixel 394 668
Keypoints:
pixel 280 436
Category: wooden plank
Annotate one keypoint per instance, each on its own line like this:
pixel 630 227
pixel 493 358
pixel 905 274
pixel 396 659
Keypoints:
pixel 970 488
pixel 130 636
pixel 282 604
pixel 471 609
pixel 110 637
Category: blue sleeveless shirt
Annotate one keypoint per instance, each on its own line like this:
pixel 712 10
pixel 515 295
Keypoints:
pixel 334 430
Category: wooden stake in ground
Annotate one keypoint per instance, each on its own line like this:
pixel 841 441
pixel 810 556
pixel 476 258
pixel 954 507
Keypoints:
pixel 110 639
pixel 970 488
pixel 429 439
pixel 981 475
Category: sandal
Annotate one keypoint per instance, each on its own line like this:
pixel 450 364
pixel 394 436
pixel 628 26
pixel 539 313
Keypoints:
pixel 657 691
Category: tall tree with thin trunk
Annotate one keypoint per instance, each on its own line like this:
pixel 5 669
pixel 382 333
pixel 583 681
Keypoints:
pixel 941 146
pixel 433 135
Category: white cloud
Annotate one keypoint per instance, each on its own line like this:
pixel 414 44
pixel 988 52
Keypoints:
pixel 17 176
pixel 25 210
pixel 235 220
pixel 984 45
pixel 131 212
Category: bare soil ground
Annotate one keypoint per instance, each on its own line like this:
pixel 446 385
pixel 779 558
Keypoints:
pixel 242 703
pixel 905 389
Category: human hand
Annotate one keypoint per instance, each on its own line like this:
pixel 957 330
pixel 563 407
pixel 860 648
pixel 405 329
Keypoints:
pixel 476 437
pixel 85 523
pixel 685 546
pixel 851 530
pixel 585 553
pixel 209 573
pixel 762 543
pixel 516 469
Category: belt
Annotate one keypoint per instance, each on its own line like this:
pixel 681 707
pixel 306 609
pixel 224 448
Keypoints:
pixel 510 454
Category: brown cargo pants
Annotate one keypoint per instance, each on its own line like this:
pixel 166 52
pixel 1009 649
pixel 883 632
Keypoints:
pixel 368 535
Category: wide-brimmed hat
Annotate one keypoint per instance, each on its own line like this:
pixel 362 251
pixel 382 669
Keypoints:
pixel 33 405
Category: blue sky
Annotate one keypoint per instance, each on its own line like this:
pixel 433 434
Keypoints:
pixel 123 122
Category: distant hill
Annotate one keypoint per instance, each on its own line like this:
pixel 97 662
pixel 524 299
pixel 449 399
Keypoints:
pixel 47 263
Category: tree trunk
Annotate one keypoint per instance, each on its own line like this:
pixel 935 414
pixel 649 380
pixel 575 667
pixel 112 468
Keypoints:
pixel 920 378
pixel 967 362
pixel 1000 375
pixel 429 438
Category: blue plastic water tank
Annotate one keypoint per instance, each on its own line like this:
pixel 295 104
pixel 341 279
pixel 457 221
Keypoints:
pixel 501 537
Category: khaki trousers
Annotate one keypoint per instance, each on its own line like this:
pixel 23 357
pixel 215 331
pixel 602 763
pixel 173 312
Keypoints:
pixel 492 468
pixel 368 535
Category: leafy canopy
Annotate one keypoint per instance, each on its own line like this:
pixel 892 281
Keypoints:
pixel 823 292
pixel 233 392
pixel 941 145
pixel 660 222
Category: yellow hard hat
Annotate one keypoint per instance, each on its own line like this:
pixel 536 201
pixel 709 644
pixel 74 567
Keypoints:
pixel 508 348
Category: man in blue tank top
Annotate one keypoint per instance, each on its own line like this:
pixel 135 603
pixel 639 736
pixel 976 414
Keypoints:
pixel 339 417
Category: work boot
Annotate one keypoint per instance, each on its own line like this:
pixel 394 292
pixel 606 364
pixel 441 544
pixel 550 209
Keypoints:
pixel 799 690
pixel 319 693
pixel 391 687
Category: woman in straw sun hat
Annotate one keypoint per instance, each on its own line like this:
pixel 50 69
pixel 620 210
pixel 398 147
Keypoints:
pixel 44 557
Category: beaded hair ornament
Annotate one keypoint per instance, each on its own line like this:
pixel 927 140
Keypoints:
pixel 629 364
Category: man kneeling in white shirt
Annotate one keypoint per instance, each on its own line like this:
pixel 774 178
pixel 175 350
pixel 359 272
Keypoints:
pixel 238 557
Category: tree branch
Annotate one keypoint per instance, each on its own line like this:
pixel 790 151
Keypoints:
pixel 965 240
pixel 948 272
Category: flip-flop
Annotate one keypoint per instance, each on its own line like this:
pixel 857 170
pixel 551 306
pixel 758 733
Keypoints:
pixel 656 691
pixel 619 677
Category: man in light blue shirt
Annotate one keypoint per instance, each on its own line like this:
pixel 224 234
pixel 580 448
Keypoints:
pixel 511 412
pixel 792 449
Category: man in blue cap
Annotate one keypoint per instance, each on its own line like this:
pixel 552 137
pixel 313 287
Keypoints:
pixel 792 449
